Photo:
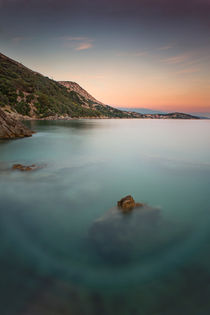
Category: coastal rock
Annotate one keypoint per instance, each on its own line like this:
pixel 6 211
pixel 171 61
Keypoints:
pixel 11 128
pixel 25 168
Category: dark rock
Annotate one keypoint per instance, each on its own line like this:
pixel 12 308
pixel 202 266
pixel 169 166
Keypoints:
pixel 127 204
pixel 10 128
pixel 25 168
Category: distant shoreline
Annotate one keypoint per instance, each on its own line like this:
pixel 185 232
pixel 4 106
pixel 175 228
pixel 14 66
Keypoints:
pixel 171 116
pixel 104 118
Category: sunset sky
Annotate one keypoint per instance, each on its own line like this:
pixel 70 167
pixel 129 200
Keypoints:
pixel 126 53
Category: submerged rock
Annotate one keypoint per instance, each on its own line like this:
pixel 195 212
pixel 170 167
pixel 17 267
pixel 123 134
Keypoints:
pixel 133 232
pixel 117 237
pixel 25 168
pixel 10 128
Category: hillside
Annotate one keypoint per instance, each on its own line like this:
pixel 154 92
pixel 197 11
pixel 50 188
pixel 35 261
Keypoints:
pixel 29 93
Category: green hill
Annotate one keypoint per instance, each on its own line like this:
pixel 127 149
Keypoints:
pixel 31 94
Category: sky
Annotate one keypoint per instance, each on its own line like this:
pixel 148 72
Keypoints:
pixel 126 53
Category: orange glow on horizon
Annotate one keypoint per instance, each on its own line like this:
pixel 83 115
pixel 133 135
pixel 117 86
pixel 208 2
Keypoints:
pixel 154 86
pixel 193 99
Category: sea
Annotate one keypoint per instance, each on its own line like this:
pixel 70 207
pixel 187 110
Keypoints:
pixel 64 252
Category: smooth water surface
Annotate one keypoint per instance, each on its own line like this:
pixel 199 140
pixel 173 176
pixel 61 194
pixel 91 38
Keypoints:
pixel 48 264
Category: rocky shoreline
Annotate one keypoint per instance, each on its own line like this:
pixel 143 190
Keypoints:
pixel 20 117
pixel 10 128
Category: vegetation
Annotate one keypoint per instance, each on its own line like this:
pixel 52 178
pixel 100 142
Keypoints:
pixel 29 92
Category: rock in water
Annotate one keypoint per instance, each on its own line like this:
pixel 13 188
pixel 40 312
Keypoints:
pixel 133 232
pixel 127 204
pixel 11 128
pixel 117 237
pixel 25 168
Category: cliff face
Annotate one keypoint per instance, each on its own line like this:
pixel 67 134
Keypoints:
pixel 11 128
pixel 75 87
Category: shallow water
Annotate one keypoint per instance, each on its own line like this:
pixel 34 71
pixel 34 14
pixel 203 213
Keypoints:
pixel 48 263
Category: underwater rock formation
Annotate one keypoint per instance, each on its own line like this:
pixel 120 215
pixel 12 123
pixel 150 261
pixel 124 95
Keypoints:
pixel 117 236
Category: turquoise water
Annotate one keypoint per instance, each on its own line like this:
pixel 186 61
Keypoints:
pixel 48 263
